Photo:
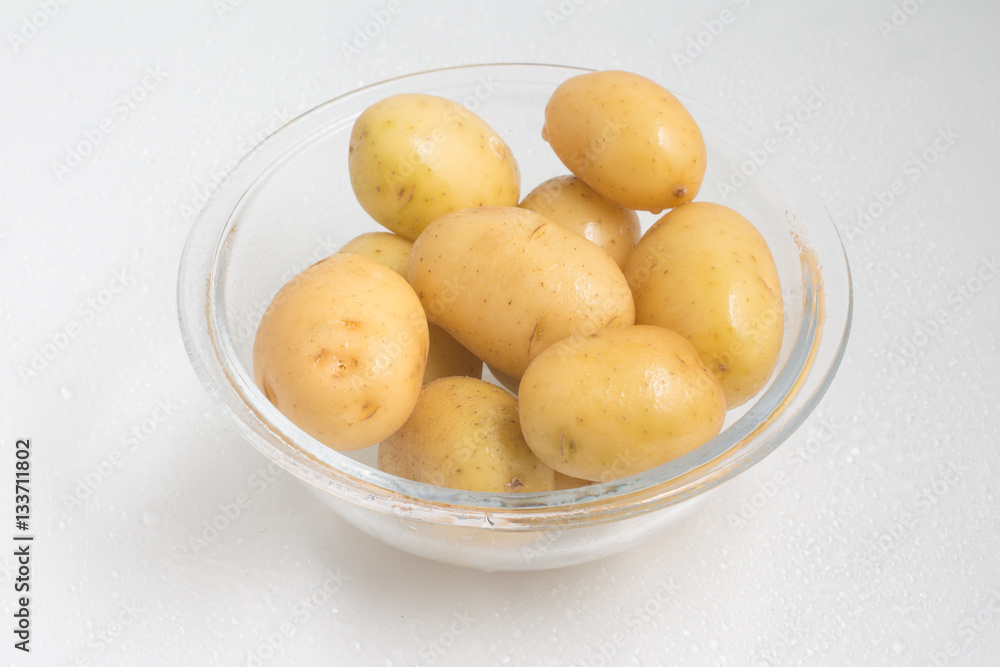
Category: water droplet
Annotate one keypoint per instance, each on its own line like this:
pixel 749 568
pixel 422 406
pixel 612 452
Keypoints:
pixel 65 392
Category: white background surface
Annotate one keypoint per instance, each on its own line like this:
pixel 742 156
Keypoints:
pixel 871 537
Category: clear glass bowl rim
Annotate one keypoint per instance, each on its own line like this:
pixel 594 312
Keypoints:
pixel 772 420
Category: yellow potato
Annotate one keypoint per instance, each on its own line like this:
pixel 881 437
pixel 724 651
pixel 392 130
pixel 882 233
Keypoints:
pixel 341 351
pixel 507 283
pixel 618 402
pixel 445 356
pixel 390 250
pixel 414 157
pixel 464 434
pixel 704 271
pixel 568 201
pixel 628 138
pixel 567 482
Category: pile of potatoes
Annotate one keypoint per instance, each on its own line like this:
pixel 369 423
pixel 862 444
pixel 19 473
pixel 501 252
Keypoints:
pixel 621 350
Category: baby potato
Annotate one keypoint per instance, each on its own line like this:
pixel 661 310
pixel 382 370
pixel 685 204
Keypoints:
pixel 568 201
pixel 341 351
pixel 628 138
pixel 704 271
pixel 464 433
pixel 390 250
pixel 445 356
pixel 567 482
pixel 507 283
pixel 414 157
pixel 618 402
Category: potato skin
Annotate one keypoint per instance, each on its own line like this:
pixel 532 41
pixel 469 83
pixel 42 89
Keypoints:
pixel 507 283
pixel 568 201
pixel 464 433
pixel 388 249
pixel 341 351
pixel 415 157
pixel 621 401
pixel 628 138
pixel 445 355
pixel 704 271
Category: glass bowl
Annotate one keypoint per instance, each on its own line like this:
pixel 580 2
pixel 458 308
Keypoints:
pixel 289 203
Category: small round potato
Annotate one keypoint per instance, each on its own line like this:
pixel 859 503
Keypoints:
pixel 618 402
pixel 388 249
pixel 445 356
pixel 464 434
pixel 507 283
pixel 341 351
pixel 415 157
pixel 628 138
pixel 704 271
pixel 568 201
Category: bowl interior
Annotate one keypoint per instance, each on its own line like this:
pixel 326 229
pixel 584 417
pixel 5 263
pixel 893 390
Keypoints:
pixel 290 203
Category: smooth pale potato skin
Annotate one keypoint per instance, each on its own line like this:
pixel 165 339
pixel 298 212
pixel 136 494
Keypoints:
pixel 464 433
pixel 507 283
pixel 414 157
pixel 386 248
pixel 704 271
pixel 445 355
pixel 621 401
pixel 568 201
pixel 341 351
pixel 628 138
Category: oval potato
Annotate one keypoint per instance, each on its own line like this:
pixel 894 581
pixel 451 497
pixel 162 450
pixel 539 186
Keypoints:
pixel 628 138
pixel 507 283
pixel 704 271
pixel 464 433
pixel 341 351
pixel 618 402
pixel 568 201
pixel 414 157
pixel 445 355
